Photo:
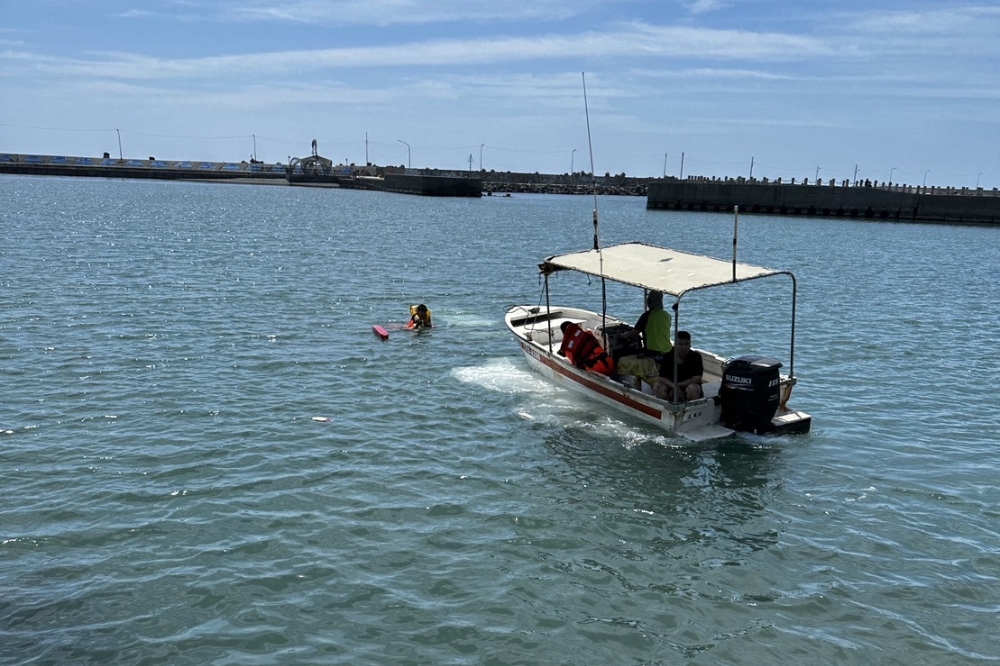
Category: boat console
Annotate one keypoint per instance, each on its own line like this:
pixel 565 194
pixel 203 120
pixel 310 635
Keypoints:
pixel 613 338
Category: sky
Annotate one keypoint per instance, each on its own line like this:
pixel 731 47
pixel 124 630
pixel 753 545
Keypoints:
pixel 907 91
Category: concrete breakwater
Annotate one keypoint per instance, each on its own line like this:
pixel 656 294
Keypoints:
pixel 107 167
pixel 423 182
pixel 429 185
pixel 887 202
pixel 876 202
pixel 504 187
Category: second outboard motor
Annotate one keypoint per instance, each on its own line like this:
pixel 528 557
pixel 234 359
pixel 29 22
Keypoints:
pixel 750 393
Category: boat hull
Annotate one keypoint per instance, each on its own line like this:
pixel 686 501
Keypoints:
pixel 537 331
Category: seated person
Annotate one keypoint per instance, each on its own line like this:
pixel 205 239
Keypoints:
pixel 420 317
pixel 689 372
pixel 652 330
pixel 583 350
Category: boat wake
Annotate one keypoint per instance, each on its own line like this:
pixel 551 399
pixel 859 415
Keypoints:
pixel 504 376
pixel 542 402
pixel 470 320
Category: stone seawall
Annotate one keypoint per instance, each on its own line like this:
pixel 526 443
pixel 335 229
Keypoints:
pixel 425 182
pixel 915 204
pixel 95 167
pixel 877 202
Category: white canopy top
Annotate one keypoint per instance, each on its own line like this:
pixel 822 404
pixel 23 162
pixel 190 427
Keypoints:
pixel 670 271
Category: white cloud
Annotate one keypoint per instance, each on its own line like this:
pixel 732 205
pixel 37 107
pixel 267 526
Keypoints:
pixel 629 41
pixel 402 12
pixel 706 6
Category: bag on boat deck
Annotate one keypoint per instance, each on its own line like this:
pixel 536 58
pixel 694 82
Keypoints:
pixel 643 367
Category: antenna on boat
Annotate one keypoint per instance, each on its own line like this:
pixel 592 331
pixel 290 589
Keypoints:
pixel 597 242
pixel 590 146
pixel 736 225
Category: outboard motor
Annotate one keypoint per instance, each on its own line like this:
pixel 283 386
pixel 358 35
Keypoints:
pixel 750 393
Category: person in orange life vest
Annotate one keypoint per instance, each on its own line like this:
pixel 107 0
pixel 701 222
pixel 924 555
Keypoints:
pixel 420 317
pixel 583 350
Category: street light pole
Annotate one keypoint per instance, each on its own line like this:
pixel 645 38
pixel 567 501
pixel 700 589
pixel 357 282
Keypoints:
pixel 407 152
pixel 481 156
pixel 120 145
pixel 925 177
pixel 977 179
pixel 890 175
pixel 665 164
pixel 571 156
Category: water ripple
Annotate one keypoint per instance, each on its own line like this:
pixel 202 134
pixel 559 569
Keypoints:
pixel 210 458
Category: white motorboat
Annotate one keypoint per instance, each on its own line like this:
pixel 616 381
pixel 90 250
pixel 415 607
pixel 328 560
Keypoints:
pixel 746 394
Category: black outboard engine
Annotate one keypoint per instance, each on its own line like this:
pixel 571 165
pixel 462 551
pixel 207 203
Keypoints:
pixel 750 393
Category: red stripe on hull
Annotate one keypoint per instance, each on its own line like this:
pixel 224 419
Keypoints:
pixel 592 385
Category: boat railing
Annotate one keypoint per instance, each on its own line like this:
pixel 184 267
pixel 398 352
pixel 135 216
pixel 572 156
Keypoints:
pixel 536 317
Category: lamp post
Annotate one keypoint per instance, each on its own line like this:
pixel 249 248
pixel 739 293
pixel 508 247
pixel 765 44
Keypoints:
pixel 119 145
pixel 890 175
pixel 571 156
pixel 925 177
pixel 481 156
pixel 665 164
pixel 407 152
pixel 977 179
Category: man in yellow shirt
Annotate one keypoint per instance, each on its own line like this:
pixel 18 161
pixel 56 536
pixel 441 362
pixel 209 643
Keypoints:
pixel 654 325
pixel 654 328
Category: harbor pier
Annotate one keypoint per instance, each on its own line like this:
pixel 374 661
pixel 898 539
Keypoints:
pixel 424 182
pixel 873 202
pixel 870 201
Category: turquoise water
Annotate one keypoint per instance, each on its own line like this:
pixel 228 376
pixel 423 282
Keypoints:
pixel 169 497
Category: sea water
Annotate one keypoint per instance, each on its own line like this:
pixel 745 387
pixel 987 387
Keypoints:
pixel 208 458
